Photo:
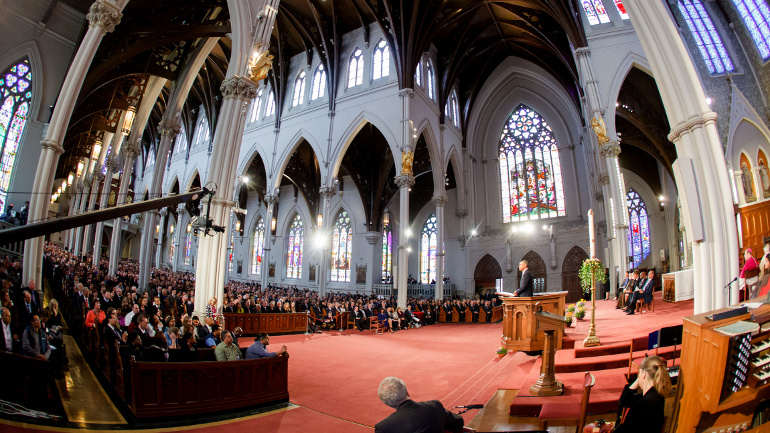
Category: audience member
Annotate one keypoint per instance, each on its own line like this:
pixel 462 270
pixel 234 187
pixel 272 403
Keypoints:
pixel 412 416
pixel 226 350
pixel 645 398
pixel 259 348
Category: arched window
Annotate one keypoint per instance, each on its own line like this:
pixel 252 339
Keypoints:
pixel 319 83
pixel 270 109
pixel 381 60
pixel 621 9
pixel 418 75
pixel 172 247
pixel 299 89
pixel 530 171
pixel 203 131
pixel 595 12
pixel 232 246
pixel 342 248
pixel 109 152
pixel 188 245
pixel 181 141
pixel 756 16
pixel 387 251
pixel 150 157
pixel 16 96
pixel 256 105
pixel 356 68
pixel 709 42
pixel 428 249
pixel 451 110
pixel 259 244
pixel 294 256
pixel 429 79
pixel 639 228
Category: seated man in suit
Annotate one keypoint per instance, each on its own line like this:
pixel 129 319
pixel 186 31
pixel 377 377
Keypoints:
pixel 412 416
pixel 488 310
pixel 448 311
pixel 362 322
pixel 637 287
pixel 644 295
pixel 627 289
pixel 526 284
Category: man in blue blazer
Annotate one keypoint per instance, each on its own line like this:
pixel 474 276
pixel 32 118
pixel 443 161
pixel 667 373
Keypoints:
pixel 526 283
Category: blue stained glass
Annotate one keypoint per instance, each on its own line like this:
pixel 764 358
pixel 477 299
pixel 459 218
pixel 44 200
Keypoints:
pixel 756 15
pixel 387 238
pixel 188 245
pixel 709 42
pixel 595 12
pixel 259 244
pixel 428 250
pixel 13 118
pixel 342 248
pixel 639 228
pixel 294 256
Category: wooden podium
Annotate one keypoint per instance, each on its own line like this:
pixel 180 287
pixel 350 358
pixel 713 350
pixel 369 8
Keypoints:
pixel 520 330
pixel 549 324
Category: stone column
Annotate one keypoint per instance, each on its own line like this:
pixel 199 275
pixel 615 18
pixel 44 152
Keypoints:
pixel 161 235
pixel 264 268
pixel 178 240
pixel 700 171
pixel 103 16
pixel 98 177
pixel 325 263
pixel 111 165
pixel 130 153
pixel 211 269
pixel 168 130
pixel 87 183
pixel 440 202
pixel 74 207
pixel 404 182
pixel 619 207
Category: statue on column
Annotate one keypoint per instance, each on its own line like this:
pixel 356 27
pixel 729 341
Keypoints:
pixel 600 129
pixel 407 158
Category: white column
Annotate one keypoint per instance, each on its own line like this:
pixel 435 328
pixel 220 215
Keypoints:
pixel 103 16
pixel 111 165
pixel 440 202
pixel 161 235
pixel 180 233
pixel 87 183
pixel 271 201
pixel 404 182
pixel 700 171
pixel 610 152
pixel 326 231
pixel 130 153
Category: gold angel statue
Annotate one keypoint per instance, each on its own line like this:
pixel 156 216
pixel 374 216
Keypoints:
pixel 261 66
pixel 600 129
pixel 407 157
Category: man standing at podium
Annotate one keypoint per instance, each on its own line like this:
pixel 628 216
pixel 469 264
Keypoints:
pixel 525 284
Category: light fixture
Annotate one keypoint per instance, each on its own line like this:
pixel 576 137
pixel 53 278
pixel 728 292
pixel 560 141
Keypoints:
pixel 157 228
pixel 408 233
pixel 514 229
pixel 58 191
pixel 128 122
pixel 386 218
pixel 272 225
pixel 320 220
pixel 189 227
pixel 70 178
pixel 708 101
pixel 237 225
pixel 97 149
pixel 171 229
pixel 80 167
pixel 474 232
pixel 661 198
pixel 64 185
pixel 245 179
pixel 408 249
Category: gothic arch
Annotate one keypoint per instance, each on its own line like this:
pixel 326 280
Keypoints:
pixel 570 280
pixel 31 52
pixel 487 268
pixel 350 134
pixel 285 157
pixel 632 60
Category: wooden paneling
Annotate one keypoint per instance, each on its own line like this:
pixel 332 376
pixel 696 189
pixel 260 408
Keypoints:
pixel 253 324
pixel 183 388
pixel 755 224
pixel 519 324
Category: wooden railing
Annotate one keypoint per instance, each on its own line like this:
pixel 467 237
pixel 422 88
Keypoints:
pixel 15 249
pixel 162 389
pixel 272 323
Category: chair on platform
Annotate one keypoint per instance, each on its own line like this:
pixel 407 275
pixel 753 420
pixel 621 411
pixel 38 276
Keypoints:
pixel 374 325
pixel 568 414
pixel 351 323
pixel 640 305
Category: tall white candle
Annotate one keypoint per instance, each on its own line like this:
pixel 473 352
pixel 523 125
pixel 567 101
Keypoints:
pixel 592 245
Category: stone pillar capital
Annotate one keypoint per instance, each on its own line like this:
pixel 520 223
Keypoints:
pixel 53 145
pixel 98 176
pixel 610 150
pixel 111 163
pixel 694 122
pixel 462 213
pixel 237 87
pixel 440 200
pixel 104 14
pixel 87 181
pixel 163 212
pixel 406 92
pixel 271 199
pixel 404 181
pixel 169 128
pixel 582 52
pixel 181 209
pixel 132 150
pixel 327 192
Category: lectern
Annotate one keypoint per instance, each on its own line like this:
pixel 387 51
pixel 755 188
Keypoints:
pixel 519 328
pixel 548 323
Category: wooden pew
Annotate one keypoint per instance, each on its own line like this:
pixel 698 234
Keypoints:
pixel 468 315
pixel 272 323
pixel 455 315
pixel 27 381
pixel 441 315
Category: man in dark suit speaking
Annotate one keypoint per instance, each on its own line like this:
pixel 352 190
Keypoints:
pixel 525 285
pixel 412 416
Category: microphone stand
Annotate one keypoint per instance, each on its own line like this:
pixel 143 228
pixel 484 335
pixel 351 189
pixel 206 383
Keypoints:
pixel 727 287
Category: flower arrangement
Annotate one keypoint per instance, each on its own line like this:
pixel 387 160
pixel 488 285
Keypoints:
pixel 502 351
pixel 568 319
pixel 592 269
pixel 581 303
pixel 580 312
pixel 571 308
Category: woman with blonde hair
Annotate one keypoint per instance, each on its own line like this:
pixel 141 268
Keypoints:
pixel 211 308
pixel 645 398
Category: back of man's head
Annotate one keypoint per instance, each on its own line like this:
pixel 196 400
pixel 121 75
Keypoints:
pixel 392 391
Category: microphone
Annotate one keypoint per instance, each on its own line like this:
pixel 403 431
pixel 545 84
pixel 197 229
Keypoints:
pixel 471 406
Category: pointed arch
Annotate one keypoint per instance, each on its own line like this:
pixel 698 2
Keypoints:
pixel 300 136
pixel 638 228
pixel 487 268
pixel 425 129
pixel 570 268
pixel 747 178
pixel 428 248
pixel 191 180
pixel 295 237
pixel 632 60
pixel 258 245
pixel 173 179
pixel 16 84
pixel 347 137
pixel 342 247
pixel 31 52
pixel 764 173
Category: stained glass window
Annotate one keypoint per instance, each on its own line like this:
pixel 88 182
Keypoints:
pixel 756 16
pixel 418 75
pixel 595 12
pixel 639 228
pixel 342 248
pixel 16 95
pixel 319 83
pixel 232 246
pixel 428 250
pixel 381 60
pixel 387 257
pixel 188 245
pixel 356 68
pixel 299 89
pixel 104 166
pixel 270 109
pixel 181 141
pixel 150 157
pixel 256 105
pixel 451 110
pixel 429 79
pixel 172 247
pixel 203 132
pixel 294 256
pixel 621 9
pixel 530 171
pixel 706 37
pixel 259 244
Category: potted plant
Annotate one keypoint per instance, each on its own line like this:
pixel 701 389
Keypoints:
pixel 502 352
pixel 580 313
pixel 571 308
pixel 568 319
